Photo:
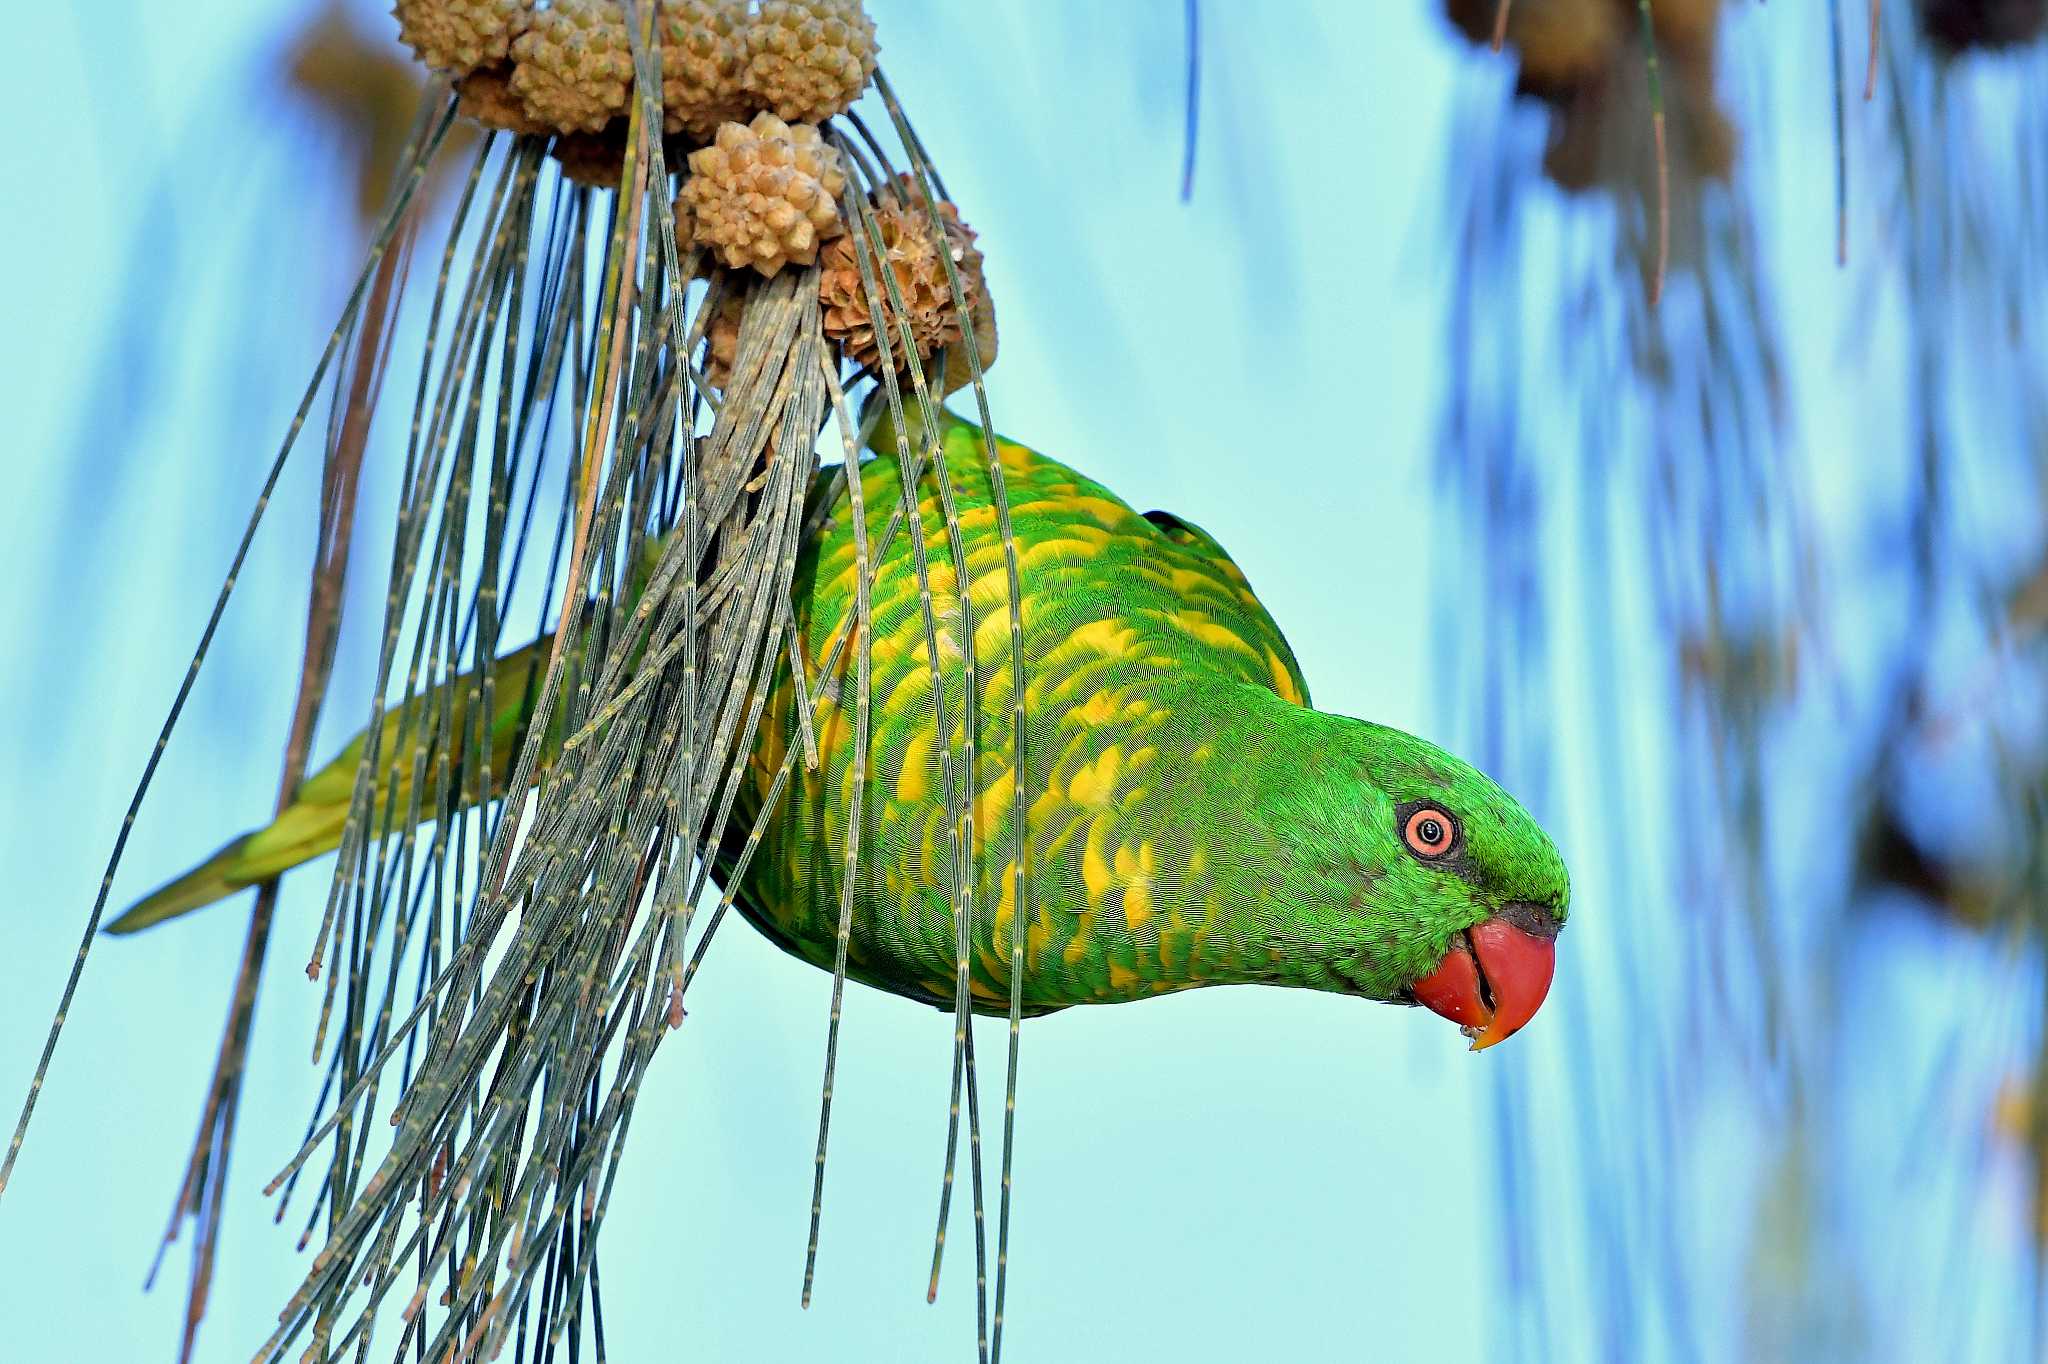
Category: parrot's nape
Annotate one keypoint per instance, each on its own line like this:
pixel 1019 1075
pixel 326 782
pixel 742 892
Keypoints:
pixel 1189 820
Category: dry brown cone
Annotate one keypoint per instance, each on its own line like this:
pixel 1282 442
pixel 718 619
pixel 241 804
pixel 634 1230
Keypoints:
pixel 722 337
pixel 762 195
pixel 703 55
pixel 1596 139
pixel 458 36
pixel 1715 142
pixel 808 60
pixel 573 67
pixel 982 310
pixel 1701 129
pixel 1683 27
pixel 912 255
pixel 1559 44
pixel 365 92
pixel 485 96
pixel 1958 26
pixel 1563 43
pixel 598 160
pixel 1598 132
pixel 595 160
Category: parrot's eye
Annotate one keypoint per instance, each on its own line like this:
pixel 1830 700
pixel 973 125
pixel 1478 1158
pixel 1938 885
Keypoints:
pixel 1430 832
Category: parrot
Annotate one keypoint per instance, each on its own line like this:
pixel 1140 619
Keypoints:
pixel 1188 819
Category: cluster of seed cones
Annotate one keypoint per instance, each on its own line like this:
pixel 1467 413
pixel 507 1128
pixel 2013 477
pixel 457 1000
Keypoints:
pixel 566 66
pixel 767 194
pixel 745 86
pixel 1585 60
pixel 913 257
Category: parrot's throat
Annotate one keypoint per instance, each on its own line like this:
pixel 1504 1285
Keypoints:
pixel 1298 878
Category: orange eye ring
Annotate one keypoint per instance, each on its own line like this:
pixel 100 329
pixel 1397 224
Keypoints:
pixel 1429 832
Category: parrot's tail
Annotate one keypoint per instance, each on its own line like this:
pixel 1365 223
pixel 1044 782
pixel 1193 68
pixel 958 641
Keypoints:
pixel 213 879
pixel 305 830
pixel 317 817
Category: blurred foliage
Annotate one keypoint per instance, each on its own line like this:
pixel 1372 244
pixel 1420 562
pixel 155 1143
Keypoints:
pixel 364 93
pixel 1852 617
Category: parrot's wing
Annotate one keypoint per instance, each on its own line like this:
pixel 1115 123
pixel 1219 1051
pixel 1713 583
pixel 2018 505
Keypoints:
pixel 1286 679
pixel 1182 531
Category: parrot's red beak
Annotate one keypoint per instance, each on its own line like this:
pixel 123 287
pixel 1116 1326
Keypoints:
pixel 1491 982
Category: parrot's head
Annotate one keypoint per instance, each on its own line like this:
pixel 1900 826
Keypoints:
pixel 1463 893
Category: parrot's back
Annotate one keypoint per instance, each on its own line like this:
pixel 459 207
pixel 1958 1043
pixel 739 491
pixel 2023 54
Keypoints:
pixel 1138 632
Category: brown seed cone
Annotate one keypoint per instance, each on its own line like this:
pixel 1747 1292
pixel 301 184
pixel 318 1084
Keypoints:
pixel 959 370
pixel 1558 43
pixel 598 160
pixel 594 160
pixel 722 337
pixel 485 96
pixel 458 36
pixel 762 195
pixel 808 60
pixel 1957 26
pixel 1597 139
pixel 1562 42
pixel 912 255
pixel 1683 27
pixel 703 55
pixel 573 67
pixel 1715 143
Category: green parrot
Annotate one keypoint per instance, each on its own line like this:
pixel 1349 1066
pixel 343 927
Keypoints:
pixel 1189 820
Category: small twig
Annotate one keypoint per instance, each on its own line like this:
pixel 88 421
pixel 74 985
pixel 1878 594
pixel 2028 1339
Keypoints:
pixel 1656 83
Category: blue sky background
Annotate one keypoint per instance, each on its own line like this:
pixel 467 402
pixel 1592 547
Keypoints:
pixel 1221 1174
